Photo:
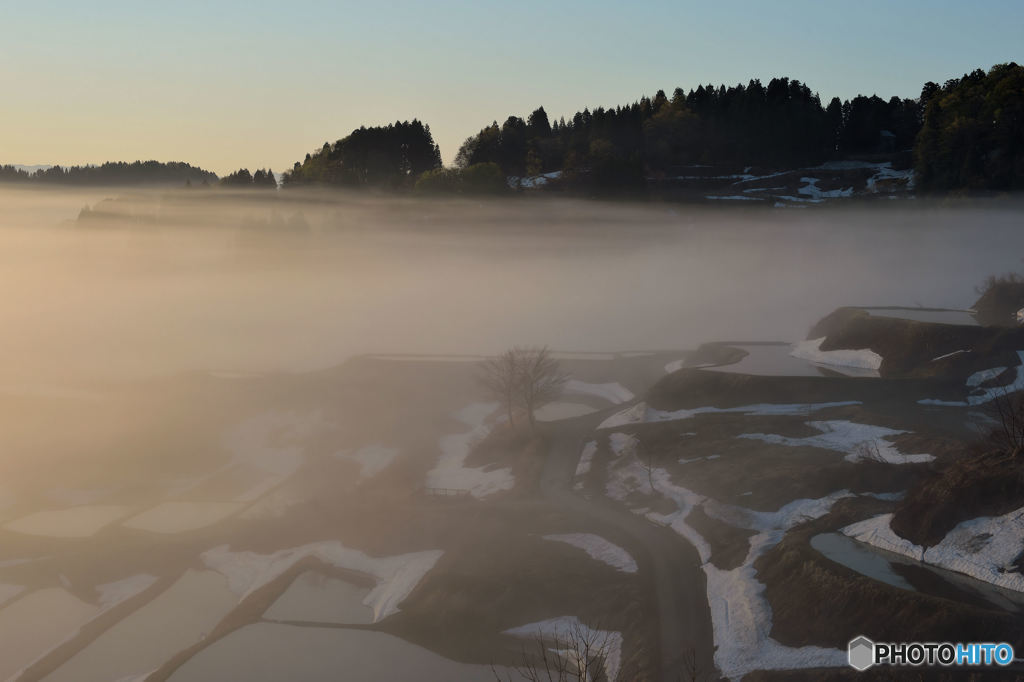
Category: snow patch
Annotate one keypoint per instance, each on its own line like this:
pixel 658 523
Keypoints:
pixel 451 471
pixel 396 576
pixel 810 350
pixel 622 444
pixel 949 355
pixel 734 197
pixel 586 459
pixel 533 181
pixel 600 549
pixel 112 594
pixel 641 414
pixel 741 616
pixel 812 190
pixel 983 548
pixel 981 396
pixel 858 441
pixel 984 375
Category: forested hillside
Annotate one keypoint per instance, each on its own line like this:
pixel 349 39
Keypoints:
pixel 966 135
pixel 973 133
pixel 781 125
pixel 389 156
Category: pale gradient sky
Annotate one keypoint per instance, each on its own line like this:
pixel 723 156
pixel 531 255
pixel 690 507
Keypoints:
pixel 224 83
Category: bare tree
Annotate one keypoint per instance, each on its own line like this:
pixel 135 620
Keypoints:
pixel 541 379
pixel 868 451
pixel 523 378
pixel 646 455
pixel 581 656
pixel 692 669
pixel 1007 410
pixel 500 376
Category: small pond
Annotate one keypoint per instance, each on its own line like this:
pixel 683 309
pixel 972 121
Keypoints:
pixel 913 575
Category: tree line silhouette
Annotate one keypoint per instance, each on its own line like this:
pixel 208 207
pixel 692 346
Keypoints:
pixel 261 179
pixel 965 135
pixel 113 173
pixel 389 156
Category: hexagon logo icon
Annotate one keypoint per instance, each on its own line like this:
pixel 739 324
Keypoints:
pixel 861 653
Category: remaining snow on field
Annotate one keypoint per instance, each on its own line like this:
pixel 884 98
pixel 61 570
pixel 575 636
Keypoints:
pixel 788 516
pixel 622 444
pixel 983 548
pixel 613 392
pixel 949 355
pixel 885 173
pixel 674 366
pixel 734 197
pixel 74 522
pixel 116 592
pixel 586 459
pixel 876 532
pixel 942 403
pixel 451 471
pixel 859 441
pixel 642 414
pixel 533 181
pixel 396 576
pixel 741 616
pixel 812 190
pixel 372 459
pixel 986 395
pixel 742 620
pixel 978 378
pixel 810 350
pixel 980 396
pixel 567 629
pixel 598 548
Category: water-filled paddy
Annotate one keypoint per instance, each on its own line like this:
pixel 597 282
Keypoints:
pixel 74 522
pixel 267 652
pixel 176 619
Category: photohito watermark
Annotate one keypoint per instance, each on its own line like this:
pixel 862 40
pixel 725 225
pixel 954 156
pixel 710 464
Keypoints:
pixel 863 653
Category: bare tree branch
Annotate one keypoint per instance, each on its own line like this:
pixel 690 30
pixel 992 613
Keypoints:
pixel 523 378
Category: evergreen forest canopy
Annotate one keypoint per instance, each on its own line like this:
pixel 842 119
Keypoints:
pixel 242 178
pixel 390 156
pixel 964 135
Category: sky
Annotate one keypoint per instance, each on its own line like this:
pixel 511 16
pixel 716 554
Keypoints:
pixel 230 84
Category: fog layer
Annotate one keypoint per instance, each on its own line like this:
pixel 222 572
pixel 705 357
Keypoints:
pixel 159 283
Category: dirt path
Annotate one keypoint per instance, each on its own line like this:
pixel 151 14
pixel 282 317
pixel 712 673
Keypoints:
pixel 684 617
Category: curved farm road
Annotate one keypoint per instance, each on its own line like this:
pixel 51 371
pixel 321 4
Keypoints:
pixel 679 584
